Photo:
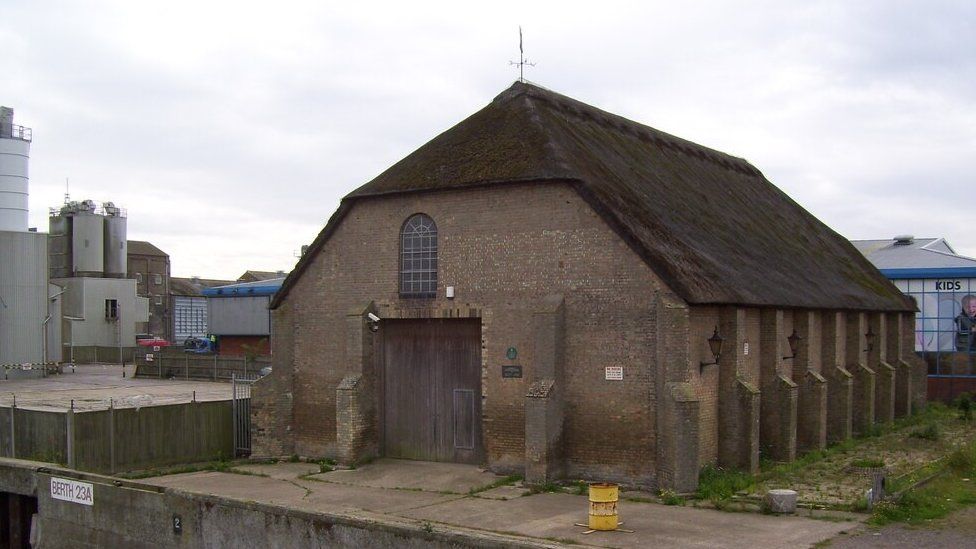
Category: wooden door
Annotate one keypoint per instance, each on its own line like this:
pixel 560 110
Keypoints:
pixel 431 401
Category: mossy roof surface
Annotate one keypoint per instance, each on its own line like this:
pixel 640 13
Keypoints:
pixel 709 224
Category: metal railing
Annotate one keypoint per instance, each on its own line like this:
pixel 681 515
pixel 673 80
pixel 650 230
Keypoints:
pixel 13 131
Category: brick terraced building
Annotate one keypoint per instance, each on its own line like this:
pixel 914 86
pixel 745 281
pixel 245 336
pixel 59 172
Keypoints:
pixel 547 277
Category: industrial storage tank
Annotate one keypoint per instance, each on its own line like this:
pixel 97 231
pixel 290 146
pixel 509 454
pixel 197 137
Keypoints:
pixel 116 248
pixel 59 244
pixel 14 155
pixel 87 249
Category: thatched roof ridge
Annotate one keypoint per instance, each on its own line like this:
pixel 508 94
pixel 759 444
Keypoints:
pixel 708 223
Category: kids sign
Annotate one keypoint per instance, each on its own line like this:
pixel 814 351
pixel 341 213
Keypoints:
pixel 72 490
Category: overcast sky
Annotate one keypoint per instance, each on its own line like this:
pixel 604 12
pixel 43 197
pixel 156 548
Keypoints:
pixel 230 130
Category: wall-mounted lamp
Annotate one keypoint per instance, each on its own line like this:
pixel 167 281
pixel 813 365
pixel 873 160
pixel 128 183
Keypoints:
pixel 869 338
pixel 793 340
pixel 373 322
pixel 715 346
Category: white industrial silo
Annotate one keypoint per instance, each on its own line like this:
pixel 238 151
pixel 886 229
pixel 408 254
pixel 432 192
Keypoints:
pixel 14 154
pixel 27 325
pixel 88 241
pixel 116 247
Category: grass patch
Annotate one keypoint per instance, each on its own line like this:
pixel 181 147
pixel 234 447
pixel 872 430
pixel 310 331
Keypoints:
pixel 931 431
pixel 947 493
pixel 868 463
pixel 718 485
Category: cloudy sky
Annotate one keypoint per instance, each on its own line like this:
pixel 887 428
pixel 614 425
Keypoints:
pixel 230 130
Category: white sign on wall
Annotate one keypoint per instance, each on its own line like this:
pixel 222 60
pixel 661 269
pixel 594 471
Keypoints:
pixel 71 490
pixel 615 373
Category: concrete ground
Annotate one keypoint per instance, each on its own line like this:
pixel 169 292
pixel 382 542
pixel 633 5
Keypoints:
pixel 958 530
pixel 91 387
pixel 456 497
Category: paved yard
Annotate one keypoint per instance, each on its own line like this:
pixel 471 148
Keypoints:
pixel 447 496
pixel 91 387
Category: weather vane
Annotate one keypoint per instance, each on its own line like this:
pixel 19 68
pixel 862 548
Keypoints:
pixel 522 62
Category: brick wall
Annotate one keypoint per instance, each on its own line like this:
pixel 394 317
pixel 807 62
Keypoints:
pixel 705 379
pixel 504 249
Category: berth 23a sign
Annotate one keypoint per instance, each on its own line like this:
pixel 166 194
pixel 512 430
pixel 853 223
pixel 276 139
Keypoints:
pixel 71 490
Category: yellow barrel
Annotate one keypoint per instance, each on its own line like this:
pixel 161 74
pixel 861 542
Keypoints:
pixel 603 506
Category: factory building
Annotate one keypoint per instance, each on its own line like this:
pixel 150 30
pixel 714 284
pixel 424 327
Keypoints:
pixel 29 305
pixel 88 254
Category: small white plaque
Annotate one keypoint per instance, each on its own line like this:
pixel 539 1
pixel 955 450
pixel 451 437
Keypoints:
pixel 149 357
pixel 71 490
pixel 155 348
pixel 615 373
pixel 745 348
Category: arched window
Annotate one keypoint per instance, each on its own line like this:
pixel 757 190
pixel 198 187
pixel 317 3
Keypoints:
pixel 418 257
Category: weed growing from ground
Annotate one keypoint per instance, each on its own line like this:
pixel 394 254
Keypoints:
pixel 931 431
pixel 545 487
pixel 716 484
pixel 670 497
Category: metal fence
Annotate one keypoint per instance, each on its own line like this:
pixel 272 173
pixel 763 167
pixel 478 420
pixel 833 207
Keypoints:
pixel 178 365
pixel 241 406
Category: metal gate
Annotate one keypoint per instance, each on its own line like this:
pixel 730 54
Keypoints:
pixel 241 405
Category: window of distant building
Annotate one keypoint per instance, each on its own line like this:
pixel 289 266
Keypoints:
pixel 157 279
pixel 418 257
pixel 159 300
pixel 111 309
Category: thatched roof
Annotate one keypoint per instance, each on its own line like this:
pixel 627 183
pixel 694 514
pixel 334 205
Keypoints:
pixel 709 224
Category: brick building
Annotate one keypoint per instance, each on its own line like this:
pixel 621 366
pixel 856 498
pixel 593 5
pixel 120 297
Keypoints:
pixel 150 267
pixel 547 278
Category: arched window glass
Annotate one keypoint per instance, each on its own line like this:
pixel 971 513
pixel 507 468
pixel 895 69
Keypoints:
pixel 418 257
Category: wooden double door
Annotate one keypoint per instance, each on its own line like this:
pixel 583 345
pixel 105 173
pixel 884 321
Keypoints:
pixel 430 373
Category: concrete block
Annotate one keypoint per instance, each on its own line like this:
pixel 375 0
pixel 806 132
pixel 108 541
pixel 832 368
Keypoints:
pixel 781 501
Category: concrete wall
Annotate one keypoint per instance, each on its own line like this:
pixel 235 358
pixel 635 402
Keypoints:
pixel 122 439
pixel 137 515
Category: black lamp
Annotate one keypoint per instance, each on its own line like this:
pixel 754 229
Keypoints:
pixel 869 338
pixel 715 346
pixel 794 339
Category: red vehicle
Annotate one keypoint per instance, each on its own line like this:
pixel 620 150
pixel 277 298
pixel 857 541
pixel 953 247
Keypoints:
pixel 151 341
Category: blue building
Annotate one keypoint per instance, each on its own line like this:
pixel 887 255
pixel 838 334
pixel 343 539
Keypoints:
pixel 943 283
pixel 238 315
